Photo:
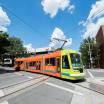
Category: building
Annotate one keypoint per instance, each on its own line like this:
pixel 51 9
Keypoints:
pixel 43 50
pixel 100 41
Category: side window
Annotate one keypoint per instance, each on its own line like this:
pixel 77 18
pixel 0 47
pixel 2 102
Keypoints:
pixel 21 62
pixel 58 65
pixel 30 64
pixel 58 62
pixel 46 62
pixel 52 61
pixel 34 63
pixel 65 62
pixel 38 65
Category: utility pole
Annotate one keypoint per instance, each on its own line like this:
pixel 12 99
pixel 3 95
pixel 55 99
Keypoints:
pixel 90 53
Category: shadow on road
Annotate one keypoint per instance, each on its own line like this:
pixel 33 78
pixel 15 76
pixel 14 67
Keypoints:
pixel 72 81
pixel 5 70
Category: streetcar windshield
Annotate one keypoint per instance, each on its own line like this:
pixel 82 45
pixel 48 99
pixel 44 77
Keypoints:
pixel 76 61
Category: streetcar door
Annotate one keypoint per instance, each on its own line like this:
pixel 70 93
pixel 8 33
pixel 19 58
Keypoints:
pixel 65 66
pixel 58 65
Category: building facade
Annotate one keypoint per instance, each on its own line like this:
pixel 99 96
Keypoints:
pixel 100 42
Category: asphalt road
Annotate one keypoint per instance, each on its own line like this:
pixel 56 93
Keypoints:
pixel 50 91
pixel 9 77
pixel 97 73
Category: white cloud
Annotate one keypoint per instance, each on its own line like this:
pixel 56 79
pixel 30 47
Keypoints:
pixel 71 8
pixel 58 33
pixel 97 10
pixel 29 47
pixel 94 20
pixel 4 29
pixel 92 28
pixel 52 7
pixel 81 23
pixel 4 20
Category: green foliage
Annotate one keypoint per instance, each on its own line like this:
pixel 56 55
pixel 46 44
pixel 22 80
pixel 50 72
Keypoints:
pixel 16 47
pixel 85 47
pixel 11 47
pixel 4 42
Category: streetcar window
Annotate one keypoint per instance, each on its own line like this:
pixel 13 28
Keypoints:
pixel 34 63
pixel 58 62
pixel 52 61
pixel 65 62
pixel 47 62
pixel 38 65
pixel 75 59
pixel 19 62
pixel 30 64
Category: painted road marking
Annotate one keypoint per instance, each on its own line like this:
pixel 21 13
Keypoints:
pixel 24 75
pixel 4 102
pixel 1 93
pixel 18 73
pixel 30 77
pixel 63 88
pixel 90 74
pixel 97 70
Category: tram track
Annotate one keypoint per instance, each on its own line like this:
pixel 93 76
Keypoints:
pixel 92 87
pixel 23 90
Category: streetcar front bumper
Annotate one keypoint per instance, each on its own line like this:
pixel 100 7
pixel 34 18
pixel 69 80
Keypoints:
pixel 78 75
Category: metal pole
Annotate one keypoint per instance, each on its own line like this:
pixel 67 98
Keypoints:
pixel 90 55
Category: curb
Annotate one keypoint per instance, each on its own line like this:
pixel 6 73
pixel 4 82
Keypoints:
pixel 17 87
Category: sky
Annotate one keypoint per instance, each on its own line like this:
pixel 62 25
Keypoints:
pixel 37 22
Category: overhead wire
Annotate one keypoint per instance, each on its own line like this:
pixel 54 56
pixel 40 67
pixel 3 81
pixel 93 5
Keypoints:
pixel 24 22
pixel 34 29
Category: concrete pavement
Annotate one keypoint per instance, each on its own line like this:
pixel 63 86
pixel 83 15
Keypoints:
pixel 15 81
pixel 50 91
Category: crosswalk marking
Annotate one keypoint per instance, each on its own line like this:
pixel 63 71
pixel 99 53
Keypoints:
pixel 1 93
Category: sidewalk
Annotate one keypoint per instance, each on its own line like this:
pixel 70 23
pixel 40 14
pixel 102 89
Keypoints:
pixel 96 84
pixel 19 86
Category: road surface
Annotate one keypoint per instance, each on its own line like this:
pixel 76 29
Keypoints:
pixel 32 88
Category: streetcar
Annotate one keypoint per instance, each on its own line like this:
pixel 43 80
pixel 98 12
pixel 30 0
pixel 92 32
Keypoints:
pixel 64 63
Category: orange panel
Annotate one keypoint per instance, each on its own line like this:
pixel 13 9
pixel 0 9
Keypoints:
pixel 53 54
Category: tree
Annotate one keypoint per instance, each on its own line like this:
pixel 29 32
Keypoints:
pixel 4 42
pixel 16 48
pixel 89 52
